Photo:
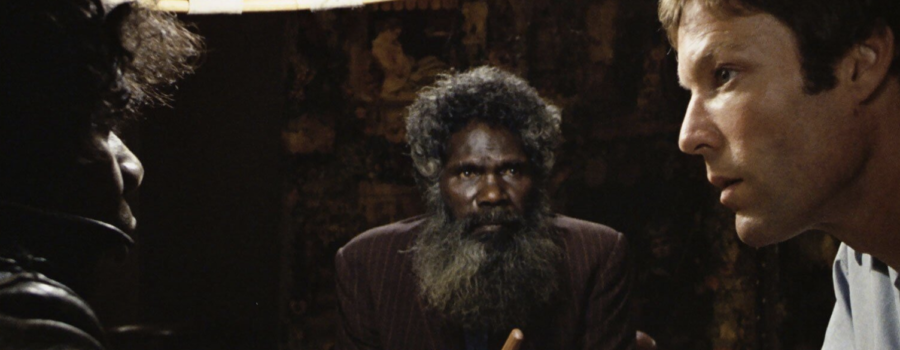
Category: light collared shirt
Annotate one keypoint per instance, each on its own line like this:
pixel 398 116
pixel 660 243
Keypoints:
pixel 866 314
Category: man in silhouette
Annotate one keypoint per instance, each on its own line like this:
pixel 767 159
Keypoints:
pixel 71 71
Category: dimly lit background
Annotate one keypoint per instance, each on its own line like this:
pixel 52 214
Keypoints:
pixel 288 142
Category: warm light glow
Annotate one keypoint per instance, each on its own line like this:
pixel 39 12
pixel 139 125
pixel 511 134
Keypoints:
pixel 271 5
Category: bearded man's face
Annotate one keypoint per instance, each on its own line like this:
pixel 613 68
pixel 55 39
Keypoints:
pixel 486 258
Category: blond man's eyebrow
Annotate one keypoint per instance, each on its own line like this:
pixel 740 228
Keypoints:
pixel 707 55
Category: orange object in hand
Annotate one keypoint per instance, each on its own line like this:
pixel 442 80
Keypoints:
pixel 514 341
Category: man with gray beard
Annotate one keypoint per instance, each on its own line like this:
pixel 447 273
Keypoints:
pixel 489 255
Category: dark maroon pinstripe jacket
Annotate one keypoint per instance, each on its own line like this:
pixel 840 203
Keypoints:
pixel 380 305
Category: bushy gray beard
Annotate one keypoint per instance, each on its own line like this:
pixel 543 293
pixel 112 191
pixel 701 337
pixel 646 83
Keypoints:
pixel 487 282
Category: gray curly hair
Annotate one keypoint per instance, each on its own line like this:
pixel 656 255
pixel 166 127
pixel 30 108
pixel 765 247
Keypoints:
pixel 485 94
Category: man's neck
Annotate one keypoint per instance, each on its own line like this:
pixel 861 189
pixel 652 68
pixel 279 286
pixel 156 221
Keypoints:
pixel 866 216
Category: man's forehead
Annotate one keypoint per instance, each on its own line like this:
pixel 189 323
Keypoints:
pixel 705 37
pixel 687 13
pixel 700 19
pixel 703 50
pixel 479 139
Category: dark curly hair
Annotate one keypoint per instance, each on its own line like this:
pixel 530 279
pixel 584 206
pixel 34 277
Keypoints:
pixel 484 94
pixel 825 29
pixel 66 62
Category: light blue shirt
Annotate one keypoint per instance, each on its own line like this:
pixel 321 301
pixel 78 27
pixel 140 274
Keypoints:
pixel 866 315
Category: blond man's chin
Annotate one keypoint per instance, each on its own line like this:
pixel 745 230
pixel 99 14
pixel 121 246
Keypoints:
pixel 758 232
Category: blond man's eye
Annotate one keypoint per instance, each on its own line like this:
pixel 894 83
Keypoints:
pixel 724 75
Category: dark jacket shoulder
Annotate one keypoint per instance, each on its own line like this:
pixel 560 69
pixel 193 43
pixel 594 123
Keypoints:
pixel 398 233
pixel 589 240
pixel 587 229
